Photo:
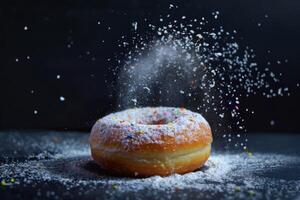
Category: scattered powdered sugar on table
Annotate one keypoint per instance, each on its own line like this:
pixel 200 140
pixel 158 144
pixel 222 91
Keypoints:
pixel 225 175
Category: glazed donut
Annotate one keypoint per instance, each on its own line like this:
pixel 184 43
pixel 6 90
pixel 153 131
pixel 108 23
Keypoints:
pixel 151 141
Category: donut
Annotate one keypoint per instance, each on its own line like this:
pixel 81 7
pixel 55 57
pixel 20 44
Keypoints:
pixel 151 141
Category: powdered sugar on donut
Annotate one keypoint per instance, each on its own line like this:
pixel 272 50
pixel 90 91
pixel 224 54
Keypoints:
pixel 148 125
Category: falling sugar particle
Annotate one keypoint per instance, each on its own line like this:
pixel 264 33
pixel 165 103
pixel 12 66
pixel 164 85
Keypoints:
pixel 147 88
pixel 25 28
pixel 61 98
pixel 17 59
pixel 279 91
pixel 272 122
pixel 199 36
pixel 135 24
pixel 216 14
pixel 35 112
pixel 57 76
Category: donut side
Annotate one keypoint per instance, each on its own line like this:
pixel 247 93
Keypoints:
pixel 133 164
pixel 148 159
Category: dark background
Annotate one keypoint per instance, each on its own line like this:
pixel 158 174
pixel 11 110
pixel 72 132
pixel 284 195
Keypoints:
pixel 65 38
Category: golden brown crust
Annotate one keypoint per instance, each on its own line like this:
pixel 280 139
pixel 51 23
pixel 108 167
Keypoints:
pixel 147 157
pixel 128 165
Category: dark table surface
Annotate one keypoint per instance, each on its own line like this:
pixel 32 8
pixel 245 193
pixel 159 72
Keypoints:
pixel 55 165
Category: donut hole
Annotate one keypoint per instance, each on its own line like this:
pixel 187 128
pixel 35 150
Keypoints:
pixel 155 122
pixel 158 122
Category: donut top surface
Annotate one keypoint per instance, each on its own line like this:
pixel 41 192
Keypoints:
pixel 160 128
